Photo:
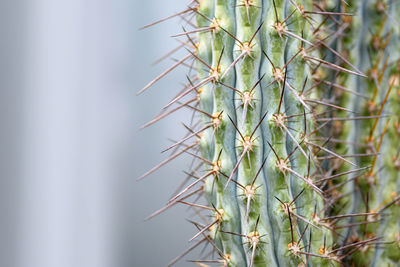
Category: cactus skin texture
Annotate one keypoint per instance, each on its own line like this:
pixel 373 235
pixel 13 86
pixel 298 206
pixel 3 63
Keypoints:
pixel 298 132
pixel 376 190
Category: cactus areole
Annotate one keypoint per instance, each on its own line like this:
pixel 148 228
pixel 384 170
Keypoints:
pixel 295 136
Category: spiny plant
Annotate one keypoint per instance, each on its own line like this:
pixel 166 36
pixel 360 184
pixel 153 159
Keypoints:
pixel 376 52
pixel 294 134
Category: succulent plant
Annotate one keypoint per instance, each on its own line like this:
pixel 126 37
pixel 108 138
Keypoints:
pixel 297 134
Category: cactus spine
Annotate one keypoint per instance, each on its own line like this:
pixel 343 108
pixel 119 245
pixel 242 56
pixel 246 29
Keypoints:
pixel 374 191
pixel 278 191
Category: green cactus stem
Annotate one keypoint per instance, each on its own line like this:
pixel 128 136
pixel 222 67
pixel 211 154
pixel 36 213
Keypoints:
pixel 298 163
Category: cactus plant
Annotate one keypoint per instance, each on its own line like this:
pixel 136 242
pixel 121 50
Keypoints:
pixel 297 136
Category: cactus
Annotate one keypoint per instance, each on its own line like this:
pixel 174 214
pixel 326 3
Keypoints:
pixel 374 191
pixel 294 126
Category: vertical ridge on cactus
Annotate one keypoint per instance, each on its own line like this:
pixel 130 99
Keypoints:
pixel 368 53
pixel 296 144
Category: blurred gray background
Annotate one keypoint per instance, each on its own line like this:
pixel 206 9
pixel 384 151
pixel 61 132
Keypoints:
pixel 70 146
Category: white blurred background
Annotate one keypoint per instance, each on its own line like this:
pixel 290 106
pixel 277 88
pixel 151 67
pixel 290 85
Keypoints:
pixel 71 150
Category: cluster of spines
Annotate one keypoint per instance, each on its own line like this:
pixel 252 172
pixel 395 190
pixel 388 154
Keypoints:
pixel 268 207
pixel 384 192
pixel 369 37
pixel 389 180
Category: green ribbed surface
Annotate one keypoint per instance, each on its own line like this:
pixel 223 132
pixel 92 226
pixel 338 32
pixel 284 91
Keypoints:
pixel 368 46
pixel 283 137
pixel 253 215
